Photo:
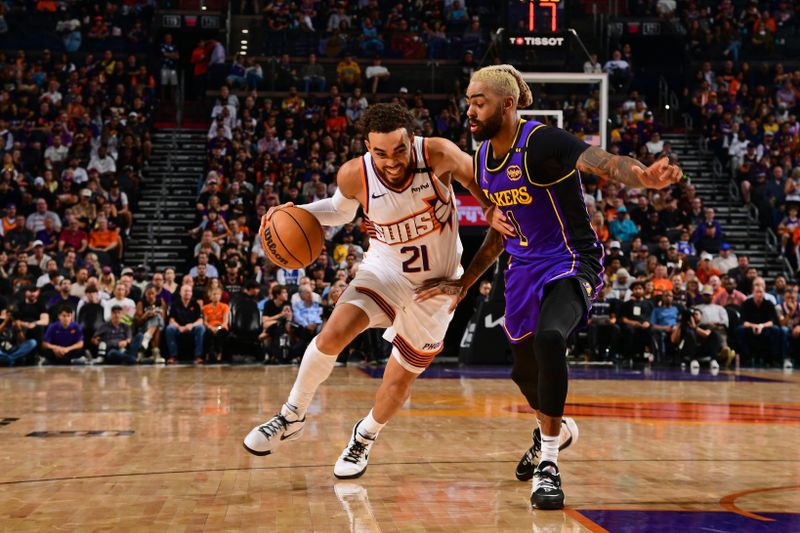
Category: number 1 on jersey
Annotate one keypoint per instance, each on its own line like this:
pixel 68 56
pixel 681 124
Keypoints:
pixel 523 240
pixel 417 252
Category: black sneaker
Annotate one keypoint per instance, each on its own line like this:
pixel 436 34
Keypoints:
pixel 546 492
pixel 526 466
pixel 528 463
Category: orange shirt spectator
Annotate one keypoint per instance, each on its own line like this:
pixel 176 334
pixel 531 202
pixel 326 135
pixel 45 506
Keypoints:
pixel 200 59
pixel 336 121
pixel 768 25
pixel 103 238
pixel 662 285
pixel 705 269
pixel 216 314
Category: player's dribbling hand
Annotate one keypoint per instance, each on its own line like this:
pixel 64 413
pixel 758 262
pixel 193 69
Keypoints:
pixel 454 288
pixel 499 222
pixel 265 221
pixel 272 210
pixel 660 174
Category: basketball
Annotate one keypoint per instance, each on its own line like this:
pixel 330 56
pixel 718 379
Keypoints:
pixel 293 238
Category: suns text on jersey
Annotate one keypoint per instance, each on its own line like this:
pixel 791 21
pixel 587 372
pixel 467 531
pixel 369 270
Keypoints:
pixel 409 229
pixel 509 197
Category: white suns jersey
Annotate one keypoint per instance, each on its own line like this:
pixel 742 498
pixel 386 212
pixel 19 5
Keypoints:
pixel 413 230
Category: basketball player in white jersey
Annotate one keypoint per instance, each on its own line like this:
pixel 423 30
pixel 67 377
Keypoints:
pixel 403 185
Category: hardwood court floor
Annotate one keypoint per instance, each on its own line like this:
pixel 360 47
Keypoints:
pixel 653 455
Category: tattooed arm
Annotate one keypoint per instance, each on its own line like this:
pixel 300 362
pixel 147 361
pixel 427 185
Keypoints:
pixel 487 254
pixel 627 170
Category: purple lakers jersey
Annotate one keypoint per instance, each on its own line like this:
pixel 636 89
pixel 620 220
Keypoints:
pixel 539 190
pixel 532 206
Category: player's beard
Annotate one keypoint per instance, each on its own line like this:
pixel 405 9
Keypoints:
pixel 489 128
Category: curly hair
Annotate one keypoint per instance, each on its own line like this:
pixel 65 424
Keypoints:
pixel 385 118
pixel 506 80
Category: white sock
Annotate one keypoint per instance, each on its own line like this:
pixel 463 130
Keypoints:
pixel 370 426
pixel 314 369
pixel 145 341
pixel 550 448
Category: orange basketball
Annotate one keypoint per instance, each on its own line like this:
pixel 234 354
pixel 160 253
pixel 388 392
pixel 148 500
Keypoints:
pixel 293 238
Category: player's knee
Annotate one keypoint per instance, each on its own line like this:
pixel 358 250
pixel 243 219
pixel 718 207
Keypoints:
pixel 550 347
pixel 331 341
pixel 523 372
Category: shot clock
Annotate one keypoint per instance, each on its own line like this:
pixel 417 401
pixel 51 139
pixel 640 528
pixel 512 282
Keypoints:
pixel 536 17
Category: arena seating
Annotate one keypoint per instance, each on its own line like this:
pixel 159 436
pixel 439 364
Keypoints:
pixel 78 144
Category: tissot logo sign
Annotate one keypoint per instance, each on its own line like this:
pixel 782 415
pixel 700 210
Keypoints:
pixel 536 41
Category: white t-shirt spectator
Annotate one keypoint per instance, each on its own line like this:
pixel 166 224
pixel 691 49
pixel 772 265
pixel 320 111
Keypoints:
pixel 376 70
pixel 56 154
pixel 738 147
pixel 592 68
pixel 212 131
pixel 35 221
pixel 79 175
pixel 55 97
pixel 655 147
pixel 104 165
pixel 614 65
pixel 128 308
pixel 725 264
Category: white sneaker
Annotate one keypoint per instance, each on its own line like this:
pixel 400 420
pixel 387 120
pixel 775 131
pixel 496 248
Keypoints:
pixel 353 461
pixel 98 360
pixel 264 439
pixel 694 367
pixel 714 365
pixel 80 361
pixel 787 365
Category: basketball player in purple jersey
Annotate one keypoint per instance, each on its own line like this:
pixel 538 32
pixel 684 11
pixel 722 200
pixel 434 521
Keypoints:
pixel 532 174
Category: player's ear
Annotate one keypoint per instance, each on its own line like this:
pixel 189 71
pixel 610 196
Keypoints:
pixel 508 103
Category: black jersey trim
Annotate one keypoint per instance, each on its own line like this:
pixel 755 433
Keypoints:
pixel 475 157
pixel 559 180
pixel 508 154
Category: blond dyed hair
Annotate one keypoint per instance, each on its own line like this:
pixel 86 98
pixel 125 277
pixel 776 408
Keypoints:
pixel 506 80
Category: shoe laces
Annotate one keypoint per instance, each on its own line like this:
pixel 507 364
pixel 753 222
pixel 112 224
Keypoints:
pixel 355 452
pixel 532 451
pixel 274 426
pixel 547 478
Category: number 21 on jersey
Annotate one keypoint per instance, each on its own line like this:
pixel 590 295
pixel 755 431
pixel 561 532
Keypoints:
pixel 417 253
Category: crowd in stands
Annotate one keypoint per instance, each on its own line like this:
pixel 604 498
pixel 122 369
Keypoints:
pixel 74 140
pixel 405 30
pixel 662 298
pixel 76 26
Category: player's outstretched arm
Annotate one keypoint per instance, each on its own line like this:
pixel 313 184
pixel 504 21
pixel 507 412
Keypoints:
pixel 447 154
pixel 627 170
pixel 487 254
